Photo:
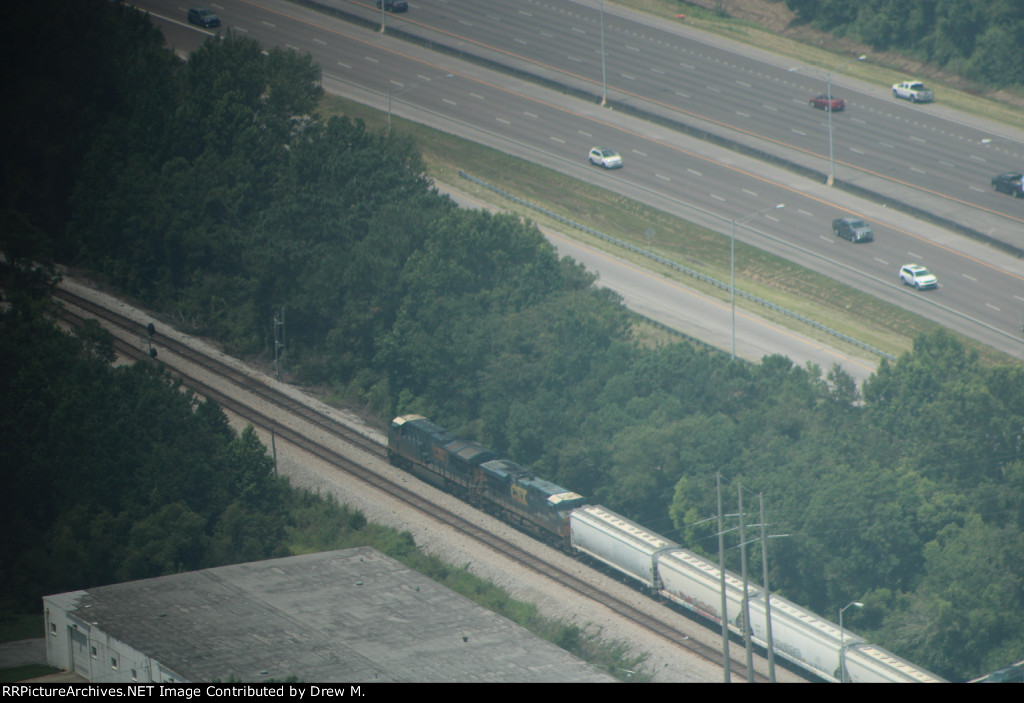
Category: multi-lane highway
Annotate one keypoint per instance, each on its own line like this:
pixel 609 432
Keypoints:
pixel 925 154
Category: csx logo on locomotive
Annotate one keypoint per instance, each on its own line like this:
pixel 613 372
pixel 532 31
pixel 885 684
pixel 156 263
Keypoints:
pixel 518 494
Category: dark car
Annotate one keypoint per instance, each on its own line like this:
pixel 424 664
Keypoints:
pixel 853 229
pixel 394 5
pixel 828 104
pixel 203 17
pixel 1009 183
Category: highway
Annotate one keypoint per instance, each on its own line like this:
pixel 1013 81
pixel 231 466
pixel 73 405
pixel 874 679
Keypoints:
pixel 981 292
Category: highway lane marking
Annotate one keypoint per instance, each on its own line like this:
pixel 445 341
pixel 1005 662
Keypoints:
pixel 675 147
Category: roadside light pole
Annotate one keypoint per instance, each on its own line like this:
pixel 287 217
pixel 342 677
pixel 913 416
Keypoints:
pixel 604 71
pixel 842 640
pixel 732 263
pixel 828 109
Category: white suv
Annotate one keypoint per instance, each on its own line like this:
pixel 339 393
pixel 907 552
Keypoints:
pixel 605 157
pixel 918 276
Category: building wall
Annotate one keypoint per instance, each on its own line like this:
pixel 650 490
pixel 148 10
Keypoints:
pixel 75 645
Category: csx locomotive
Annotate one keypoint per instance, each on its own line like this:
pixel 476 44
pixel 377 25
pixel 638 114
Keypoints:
pixel 480 477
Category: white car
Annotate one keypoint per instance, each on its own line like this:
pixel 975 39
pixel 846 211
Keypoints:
pixel 605 157
pixel 918 276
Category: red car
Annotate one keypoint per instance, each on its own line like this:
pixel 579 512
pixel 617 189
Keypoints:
pixel 833 104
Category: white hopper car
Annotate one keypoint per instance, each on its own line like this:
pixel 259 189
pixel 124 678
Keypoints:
pixel 665 568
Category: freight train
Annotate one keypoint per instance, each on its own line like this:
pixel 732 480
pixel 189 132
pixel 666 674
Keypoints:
pixel 655 563
pixel 480 477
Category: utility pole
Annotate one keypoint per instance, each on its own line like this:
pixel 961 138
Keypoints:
pixel 278 345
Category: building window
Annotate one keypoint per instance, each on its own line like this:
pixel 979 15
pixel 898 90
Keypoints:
pixel 93 650
pixel 113 663
pixel 135 675
pixel 53 629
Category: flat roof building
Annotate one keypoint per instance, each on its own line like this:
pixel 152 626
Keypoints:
pixel 350 616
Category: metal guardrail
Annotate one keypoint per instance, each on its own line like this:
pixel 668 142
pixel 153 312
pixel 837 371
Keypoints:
pixel 679 267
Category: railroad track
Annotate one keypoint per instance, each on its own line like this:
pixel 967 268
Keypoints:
pixel 246 394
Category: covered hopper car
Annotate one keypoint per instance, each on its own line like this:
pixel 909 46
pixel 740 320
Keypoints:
pixel 691 581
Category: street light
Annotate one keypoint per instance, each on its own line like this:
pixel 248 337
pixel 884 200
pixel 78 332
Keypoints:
pixel 732 262
pixel 604 71
pixel 842 640
pixel 831 158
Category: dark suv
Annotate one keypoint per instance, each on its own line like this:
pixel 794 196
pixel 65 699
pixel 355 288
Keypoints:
pixel 1009 183
pixel 203 17
pixel 853 229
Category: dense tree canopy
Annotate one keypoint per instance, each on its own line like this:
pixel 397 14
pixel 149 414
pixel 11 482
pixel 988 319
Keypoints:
pixel 117 473
pixel 978 39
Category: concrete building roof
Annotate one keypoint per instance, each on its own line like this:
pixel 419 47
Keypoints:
pixel 353 615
